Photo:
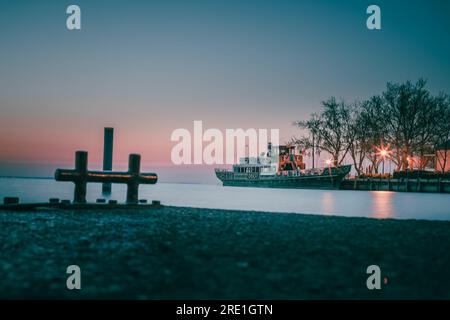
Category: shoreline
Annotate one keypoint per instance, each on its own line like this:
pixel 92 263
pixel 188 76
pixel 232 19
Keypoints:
pixel 193 253
pixel 402 185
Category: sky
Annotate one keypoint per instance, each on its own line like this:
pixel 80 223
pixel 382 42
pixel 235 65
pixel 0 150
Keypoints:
pixel 150 67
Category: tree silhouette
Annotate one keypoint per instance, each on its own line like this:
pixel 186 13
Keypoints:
pixel 406 117
pixel 331 129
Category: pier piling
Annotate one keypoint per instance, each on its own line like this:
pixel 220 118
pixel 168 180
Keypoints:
pixel 107 156
pixel 80 176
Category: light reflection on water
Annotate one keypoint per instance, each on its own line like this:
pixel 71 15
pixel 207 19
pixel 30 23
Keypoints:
pixel 382 204
pixel 327 202
pixel 376 204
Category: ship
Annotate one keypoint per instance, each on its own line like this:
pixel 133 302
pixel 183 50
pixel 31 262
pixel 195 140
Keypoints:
pixel 282 167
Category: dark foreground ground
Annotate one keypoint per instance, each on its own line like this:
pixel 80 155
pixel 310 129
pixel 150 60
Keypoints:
pixel 172 253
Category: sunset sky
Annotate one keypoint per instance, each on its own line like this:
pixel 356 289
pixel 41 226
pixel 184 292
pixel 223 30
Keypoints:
pixel 150 68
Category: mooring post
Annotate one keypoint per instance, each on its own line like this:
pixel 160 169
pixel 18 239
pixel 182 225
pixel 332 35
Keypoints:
pixel 80 176
pixel 81 161
pixel 107 156
pixel 134 164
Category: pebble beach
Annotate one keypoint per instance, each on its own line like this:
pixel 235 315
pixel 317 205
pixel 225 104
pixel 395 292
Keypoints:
pixel 191 253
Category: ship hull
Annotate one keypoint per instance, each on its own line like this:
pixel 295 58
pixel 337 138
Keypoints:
pixel 329 179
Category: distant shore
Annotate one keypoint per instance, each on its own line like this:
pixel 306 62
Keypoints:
pixel 189 253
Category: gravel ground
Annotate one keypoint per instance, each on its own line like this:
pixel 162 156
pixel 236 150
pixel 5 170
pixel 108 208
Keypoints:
pixel 188 253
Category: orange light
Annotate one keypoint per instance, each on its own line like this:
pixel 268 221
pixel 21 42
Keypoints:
pixel 383 151
pixel 328 161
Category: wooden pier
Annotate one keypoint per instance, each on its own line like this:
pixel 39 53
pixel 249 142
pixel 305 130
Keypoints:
pixel 399 185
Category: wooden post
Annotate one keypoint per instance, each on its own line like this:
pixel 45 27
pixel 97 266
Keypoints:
pixel 108 141
pixel 80 176
pixel 81 161
pixel 134 163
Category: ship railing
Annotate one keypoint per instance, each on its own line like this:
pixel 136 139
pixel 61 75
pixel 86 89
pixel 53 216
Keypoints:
pixel 296 173
pixel 314 171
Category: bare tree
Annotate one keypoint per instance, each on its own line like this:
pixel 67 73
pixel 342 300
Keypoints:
pixel 408 112
pixel 331 129
pixel 358 147
pixel 373 130
pixel 406 117
pixel 442 134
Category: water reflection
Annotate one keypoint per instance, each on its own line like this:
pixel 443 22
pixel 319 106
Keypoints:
pixel 377 204
pixel 327 202
pixel 382 204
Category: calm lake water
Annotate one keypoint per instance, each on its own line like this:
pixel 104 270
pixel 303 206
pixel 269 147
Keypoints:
pixel 377 204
